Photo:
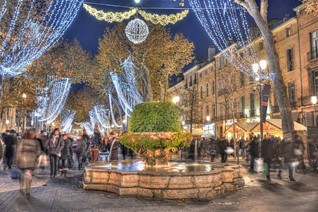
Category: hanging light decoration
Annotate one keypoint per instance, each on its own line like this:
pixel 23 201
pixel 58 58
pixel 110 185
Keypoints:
pixel 226 24
pixel 67 120
pixel 56 94
pixel 88 127
pixel 137 31
pixel 27 32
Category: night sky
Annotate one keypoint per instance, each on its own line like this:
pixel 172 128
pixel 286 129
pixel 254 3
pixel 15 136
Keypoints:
pixel 88 30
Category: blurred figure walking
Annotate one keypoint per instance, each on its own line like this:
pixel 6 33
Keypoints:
pixel 55 146
pixel 66 155
pixel 10 141
pixel 267 153
pixel 26 158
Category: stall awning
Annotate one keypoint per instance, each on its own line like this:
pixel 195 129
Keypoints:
pixel 245 127
pixel 277 124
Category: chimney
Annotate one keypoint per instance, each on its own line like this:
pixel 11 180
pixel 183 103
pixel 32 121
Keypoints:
pixel 211 53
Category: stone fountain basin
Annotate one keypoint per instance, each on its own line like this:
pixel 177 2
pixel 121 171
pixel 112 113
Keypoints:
pixel 177 180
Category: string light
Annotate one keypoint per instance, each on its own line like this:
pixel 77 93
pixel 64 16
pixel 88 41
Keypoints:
pixel 27 37
pixel 126 87
pixel 67 120
pixel 120 16
pixel 226 24
pixel 88 127
pixel 56 94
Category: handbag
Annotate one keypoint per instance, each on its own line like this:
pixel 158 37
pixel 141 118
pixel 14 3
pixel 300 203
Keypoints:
pixel 43 161
pixel 15 173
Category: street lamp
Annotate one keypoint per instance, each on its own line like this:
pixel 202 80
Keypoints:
pixel 257 68
pixel 314 102
pixel 208 119
pixel 176 99
pixel 7 123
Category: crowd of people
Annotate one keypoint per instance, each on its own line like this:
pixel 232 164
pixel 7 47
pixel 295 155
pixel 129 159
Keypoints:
pixel 271 151
pixel 59 151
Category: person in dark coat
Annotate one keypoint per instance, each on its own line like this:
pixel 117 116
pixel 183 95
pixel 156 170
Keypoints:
pixel 299 151
pixel 213 148
pixel 223 145
pixel 115 143
pixel 66 155
pixel 80 150
pixel 86 138
pixel 1 152
pixel 55 146
pixel 287 148
pixel 253 151
pixel 267 153
pixel 26 158
pixel 10 142
pixel 95 145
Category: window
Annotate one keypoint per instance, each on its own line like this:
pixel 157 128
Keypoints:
pixel 235 106
pixel 195 78
pixel 186 83
pixel 213 87
pixel 220 88
pixel 290 60
pixel 213 111
pixel 242 79
pixel 241 55
pixel 316 82
pixel 243 103
pixel 291 92
pixel 314 44
pixel 221 111
pixel 206 72
pixel 207 110
pixel 227 108
pixel 201 92
pixel 221 62
pixel 251 79
pixel 252 104
pixel 207 89
pixel 287 32
pixel 200 75
pixel 260 46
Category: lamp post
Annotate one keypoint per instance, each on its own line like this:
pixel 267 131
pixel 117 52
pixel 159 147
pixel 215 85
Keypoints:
pixel 314 102
pixel 257 68
pixel 24 96
pixel 7 123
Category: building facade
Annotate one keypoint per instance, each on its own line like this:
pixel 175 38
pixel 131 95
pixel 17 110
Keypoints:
pixel 225 94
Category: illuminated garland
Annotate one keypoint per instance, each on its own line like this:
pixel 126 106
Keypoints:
pixel 164 19
pixel 120 16
pixel 110 16
pixel 25 39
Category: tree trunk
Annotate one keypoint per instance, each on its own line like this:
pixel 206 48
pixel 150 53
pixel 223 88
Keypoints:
pixel 275 72
pixel 147 86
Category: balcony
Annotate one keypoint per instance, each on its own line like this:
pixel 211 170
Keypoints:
pixel 312 59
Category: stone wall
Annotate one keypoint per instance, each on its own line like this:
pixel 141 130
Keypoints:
pixel 198 185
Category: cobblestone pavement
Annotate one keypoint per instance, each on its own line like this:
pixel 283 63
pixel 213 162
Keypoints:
pixel 65 194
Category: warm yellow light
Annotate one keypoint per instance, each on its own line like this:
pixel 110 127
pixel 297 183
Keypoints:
pixel 255 67
pixel 176 99
pixel 314 100
pixel 24 96
pixel 263 64
pixel 208 118
pixel 7 121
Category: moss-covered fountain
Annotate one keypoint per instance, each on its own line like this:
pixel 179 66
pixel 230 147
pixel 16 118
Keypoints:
pixel 154 133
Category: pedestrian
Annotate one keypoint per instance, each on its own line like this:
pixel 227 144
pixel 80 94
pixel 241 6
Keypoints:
pixel 26 157
pixel 1 152
pixel 10 141
pixel 299 152
pixel 287 148
pixel 232 141
pixel 95 145
pixel 253 151
pixel 66 155
pixel 213 148
pixel 55 146
pixel 267 153
pixel 114 146
pixel 80 150
pixel 43 139
pixel 86 138
pixel 223 145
